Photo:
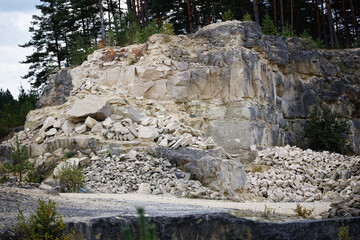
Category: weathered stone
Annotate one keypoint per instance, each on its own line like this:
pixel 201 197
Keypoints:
pixel 148 133
pixel 51 132
pixel 97 128
pixel 68 127
pixel 90 122
pixel 93 106
pixel 80 128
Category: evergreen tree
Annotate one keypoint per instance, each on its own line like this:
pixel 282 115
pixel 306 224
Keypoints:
pixel 48 41
pixel 268 27
pixel 19 156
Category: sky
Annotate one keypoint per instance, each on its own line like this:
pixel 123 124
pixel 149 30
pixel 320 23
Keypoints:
pixel 15 18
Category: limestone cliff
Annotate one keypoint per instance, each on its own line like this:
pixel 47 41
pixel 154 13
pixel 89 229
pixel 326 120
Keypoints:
pixel 240 87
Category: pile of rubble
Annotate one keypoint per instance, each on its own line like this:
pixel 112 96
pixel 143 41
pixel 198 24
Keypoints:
pixel 141 172
pixel 288 174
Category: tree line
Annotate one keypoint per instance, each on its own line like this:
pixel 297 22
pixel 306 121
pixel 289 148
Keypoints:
pixel 13 111
pixel 66 31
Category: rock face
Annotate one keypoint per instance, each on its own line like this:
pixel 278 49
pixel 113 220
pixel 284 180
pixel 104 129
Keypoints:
pixel 249 89
pixel 57 90
pixel 216 226
pixel 204 102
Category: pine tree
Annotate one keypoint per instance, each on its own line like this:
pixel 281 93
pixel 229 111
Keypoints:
pixel 19 156
pixel 48 41
pixel 268 27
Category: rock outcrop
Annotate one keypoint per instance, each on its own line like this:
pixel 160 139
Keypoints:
pixel 203 101
pixel 248 89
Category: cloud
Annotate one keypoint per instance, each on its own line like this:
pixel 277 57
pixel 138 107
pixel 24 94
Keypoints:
pixel 14 30
pixel 11 70
pixel 14 27
pixel 18 5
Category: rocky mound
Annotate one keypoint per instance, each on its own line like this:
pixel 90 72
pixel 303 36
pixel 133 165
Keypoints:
pixel 289 174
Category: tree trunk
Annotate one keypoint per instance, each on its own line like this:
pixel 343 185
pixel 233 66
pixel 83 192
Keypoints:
pixel 274 9
pixel 282 14
pixel 256 11
pixel 102 19
pixel 120 13
pixel 323 22
pixel 207 9
pixel 138 12
pixel 316 6
pixel 292 15
pixel 331 22
pixel 354 22
pixel 196 24
pixel 190 26
pixel 146 9
pixel 109 15
pixel 347 32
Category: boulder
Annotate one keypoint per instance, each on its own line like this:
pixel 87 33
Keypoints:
pixel 68 127
pixel 93 106
pixel 225 176
pixel 80 128
pixel 90 122
pixel 148 133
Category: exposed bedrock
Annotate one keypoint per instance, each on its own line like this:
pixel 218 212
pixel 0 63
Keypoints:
pixel 217 226
pixel 249 89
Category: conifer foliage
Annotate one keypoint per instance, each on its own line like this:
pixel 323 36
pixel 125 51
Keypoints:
pixel 268 27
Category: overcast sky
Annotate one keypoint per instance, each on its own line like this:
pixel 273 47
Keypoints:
pixel 15 17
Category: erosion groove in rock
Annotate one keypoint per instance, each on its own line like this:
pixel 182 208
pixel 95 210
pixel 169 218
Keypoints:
pixel 217 226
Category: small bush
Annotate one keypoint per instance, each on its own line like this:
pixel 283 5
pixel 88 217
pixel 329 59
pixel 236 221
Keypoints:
pixel 45 224
pixel 3 179
pixel 34 177
pixel 286 31
pixel 326 131
pixel 302 211
pixel 246 17
pixel 71 178
pixel 147 231
pixel 228 15
pixel 69 155
pixel 344 232
pixel 268 27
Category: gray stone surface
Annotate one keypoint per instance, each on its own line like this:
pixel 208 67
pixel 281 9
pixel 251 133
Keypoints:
pixel 185 225
pixel 56 92
pixel 223 175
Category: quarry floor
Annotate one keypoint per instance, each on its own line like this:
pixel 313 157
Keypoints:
pixel 81 207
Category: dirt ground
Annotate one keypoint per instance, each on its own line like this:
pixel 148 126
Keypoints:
pixel 77 206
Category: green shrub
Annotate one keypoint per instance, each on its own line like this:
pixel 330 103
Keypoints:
pixel 19 156
pixel 71 178
pixel 3 179
pixel 246 17
pixel 302 211
pixel 45 224
pixel 228 15
pixel 69 155
pixel 268 27
pixel 309 43
pixel 326 131
pixel 34 177
pixel 147 231
pixel 344 232
pixel 286 31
